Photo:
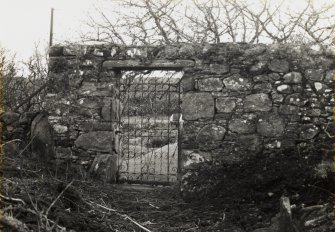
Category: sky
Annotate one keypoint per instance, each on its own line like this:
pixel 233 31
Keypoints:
pixel 26 23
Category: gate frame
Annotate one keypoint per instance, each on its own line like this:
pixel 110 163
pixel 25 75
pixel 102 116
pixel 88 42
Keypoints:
pixel 158 65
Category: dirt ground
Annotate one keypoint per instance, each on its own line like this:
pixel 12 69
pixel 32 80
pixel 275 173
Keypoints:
pixel 46 203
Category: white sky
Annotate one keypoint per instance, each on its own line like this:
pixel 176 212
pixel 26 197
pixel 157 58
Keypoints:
pixel 25 23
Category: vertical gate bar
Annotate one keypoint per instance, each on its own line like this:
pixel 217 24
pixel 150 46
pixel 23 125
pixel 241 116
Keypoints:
pixel 179 131
pixel 128 134
pixel 141 126
pixel 119 127
pixel 154 122
pixel 168 131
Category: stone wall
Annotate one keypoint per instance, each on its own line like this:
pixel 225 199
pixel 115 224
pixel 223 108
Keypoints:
pixel 239 100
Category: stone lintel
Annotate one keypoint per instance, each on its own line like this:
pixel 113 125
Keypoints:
pixel 155 64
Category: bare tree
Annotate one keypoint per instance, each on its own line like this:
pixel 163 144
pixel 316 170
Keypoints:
pixel 145 22
pixel 19 83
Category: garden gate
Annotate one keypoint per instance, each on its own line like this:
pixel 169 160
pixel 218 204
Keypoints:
pixel 151 124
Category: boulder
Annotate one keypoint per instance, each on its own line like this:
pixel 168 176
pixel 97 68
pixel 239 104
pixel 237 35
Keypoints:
pixel 197 105
pixel 96 141
pixel 281 66
pixel 225 104
pixel 237 83
pixel 270 125
pixel 210 84
pixel 257 102
pixel 42 138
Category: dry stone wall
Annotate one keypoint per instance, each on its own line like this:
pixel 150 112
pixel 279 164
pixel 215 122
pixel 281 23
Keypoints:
pixel 238 100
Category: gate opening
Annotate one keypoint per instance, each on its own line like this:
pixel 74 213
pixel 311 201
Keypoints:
pixel 151 125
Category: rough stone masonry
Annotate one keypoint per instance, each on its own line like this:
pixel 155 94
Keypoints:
pixel 238 100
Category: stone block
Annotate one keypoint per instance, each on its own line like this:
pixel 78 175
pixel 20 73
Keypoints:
pixel 237 83
pixel 261 78
pixel 277 98
pixel 197 105
pixel 279 65
pixel 288 109
pixel 284 89
pixel 314 74
pixel 270 125
pixel 111 109
pixel 101 141
pixel 263 88
pixel 257 102
pixel 219 68
pixel 187 83
pixel 225 104
pixel 242 125
pixel 210 133
pixel 127 64
pixel 293 77
pixel 308 131
pixel 259 67
pixel 210 84
pixel 296 99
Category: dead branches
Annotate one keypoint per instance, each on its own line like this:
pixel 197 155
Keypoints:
pixel 125 216
pixel 215 21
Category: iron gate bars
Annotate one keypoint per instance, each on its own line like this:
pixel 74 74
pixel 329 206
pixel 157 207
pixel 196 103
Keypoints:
pixel 150 141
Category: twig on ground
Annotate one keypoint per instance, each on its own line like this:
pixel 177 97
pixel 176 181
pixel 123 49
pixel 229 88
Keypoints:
pixel 11 141
pixel 125 216
pixel 46 218
pixel 13 200
pixel 57 198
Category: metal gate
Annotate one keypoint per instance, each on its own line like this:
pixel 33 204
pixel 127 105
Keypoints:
pixel 150 125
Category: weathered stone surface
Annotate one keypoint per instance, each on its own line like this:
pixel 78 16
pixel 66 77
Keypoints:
pixel 261 78
pixel 242 125
pixel 187 51
pixel 251 143
pixel 96 141
pixel 219 68
pixel 295 99
pixel 42 138
pixel 187 83
pixel 277 98
pixel 284 89
pixel 237 83
pixel 274 77
pixel 95 125
pixel 319 87
pixel 105 167
pixel 293 77
pixel 197 105
pixel 111 109
pixel 210 133
pixel 270 125
pixel 259 67
pixel 128 64
pixel 314 74
pixel 225 104
pixel 263 88
pixel 281 66
pixel 210 84
pixel 330 76
pixel 308 131
pixel 60 129
pixel 257 102
pixel 288 109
